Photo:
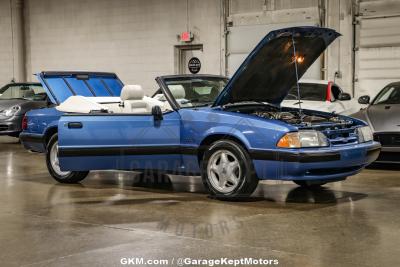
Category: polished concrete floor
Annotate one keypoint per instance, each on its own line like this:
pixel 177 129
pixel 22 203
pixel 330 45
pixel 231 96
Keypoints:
pixel 109 217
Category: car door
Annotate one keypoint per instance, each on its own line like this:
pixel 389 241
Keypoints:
pixel 120 142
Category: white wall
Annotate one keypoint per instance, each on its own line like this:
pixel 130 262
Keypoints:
pixel 248 24
pixel 134 38
pixel 340 54
pixel 6 58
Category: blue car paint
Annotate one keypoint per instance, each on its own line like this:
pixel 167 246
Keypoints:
pixel 126 142
pixel 188 128
pixel 184 128
pixel 61 85
pixel 41 123
pixel 351 156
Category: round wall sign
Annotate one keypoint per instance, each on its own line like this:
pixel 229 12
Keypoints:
pixel 194 65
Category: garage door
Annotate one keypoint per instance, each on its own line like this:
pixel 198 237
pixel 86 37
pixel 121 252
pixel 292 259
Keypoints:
pixel 245 31
pixel 378 41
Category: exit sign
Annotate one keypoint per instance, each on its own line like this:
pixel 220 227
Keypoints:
pixel 186 37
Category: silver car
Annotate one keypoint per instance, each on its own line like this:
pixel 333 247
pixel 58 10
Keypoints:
pixel 15 100
pixel 383 115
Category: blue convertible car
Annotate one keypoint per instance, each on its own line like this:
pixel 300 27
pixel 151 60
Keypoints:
pixel 232 133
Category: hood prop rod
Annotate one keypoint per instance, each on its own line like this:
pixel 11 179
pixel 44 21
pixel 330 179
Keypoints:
pixel 297 79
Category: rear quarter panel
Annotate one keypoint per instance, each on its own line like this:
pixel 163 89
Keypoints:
pixel 40 120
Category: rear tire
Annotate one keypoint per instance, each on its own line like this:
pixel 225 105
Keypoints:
pixel 228 171
pixel 68 177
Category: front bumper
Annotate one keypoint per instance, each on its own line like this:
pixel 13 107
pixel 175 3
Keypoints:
pixel 11 126
pixel 328 164
pixel 389 155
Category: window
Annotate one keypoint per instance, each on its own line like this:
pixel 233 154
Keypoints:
pixel 308 91
pixel 196 91
pixel 389 95
pixel 23 91
pixel 335 92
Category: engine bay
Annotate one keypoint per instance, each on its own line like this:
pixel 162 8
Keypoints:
pixel 304 118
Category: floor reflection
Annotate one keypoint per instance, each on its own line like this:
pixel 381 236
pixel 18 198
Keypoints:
pixel 350 223
pixel 321 196
pixel 278 192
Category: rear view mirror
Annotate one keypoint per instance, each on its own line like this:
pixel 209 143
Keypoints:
pixel 344 97
pixel 364 100
pixel 157 113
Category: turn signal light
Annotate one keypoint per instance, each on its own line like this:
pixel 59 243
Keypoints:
pixel 290 140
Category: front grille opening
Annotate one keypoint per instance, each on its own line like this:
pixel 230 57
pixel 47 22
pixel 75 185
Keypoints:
pixel 3 127
pixel 341 136
pixel 332 170
pixel 388 139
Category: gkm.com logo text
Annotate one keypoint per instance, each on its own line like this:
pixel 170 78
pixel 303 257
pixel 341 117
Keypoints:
pixel 200 262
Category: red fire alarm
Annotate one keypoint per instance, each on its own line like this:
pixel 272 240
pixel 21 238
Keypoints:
pixel 186 37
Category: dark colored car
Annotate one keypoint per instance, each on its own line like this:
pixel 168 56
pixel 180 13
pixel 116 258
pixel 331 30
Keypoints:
pixel 383 115
pixel 15 100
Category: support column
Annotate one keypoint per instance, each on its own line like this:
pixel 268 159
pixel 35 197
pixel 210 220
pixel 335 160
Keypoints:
pixel 18 40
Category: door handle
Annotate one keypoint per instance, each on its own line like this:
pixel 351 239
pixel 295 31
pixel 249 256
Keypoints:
pixel 75 125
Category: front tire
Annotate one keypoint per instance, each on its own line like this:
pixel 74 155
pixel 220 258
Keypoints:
pixel 65 177
pixel 228 171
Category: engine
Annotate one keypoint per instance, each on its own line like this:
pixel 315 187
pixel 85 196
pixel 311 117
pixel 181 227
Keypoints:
pixel 292 116
pixel 297 118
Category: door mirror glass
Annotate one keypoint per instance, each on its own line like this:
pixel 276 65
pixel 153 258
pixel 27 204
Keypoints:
pixel 344 97
pixel 364 100
pixel 157 113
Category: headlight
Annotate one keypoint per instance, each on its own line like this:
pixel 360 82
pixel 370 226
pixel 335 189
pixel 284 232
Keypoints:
pixel 306 138
pixel 365 134
pixel 11 111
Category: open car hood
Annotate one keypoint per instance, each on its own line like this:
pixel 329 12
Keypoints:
pixel 269 71
pixel 61 85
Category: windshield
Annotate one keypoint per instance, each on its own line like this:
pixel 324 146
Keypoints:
pixel 23 91
pixel 389 95
pixel 308 91
pixel 195 91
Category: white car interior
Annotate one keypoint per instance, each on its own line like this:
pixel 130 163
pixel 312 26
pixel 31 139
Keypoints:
pixel 132 101
pixel 178 91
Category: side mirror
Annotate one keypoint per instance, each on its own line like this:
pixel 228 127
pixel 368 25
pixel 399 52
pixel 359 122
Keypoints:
pixel 364 100
pixel 344 97
pixel 157 113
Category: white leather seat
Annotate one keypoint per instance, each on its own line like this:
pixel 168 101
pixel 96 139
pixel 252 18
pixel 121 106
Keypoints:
pixel 152 102
pixel 178 91
pixel 132 100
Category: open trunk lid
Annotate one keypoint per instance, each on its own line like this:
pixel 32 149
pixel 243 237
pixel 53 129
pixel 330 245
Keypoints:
pixel 61 85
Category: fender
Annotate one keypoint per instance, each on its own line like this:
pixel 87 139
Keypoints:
pixel 228 131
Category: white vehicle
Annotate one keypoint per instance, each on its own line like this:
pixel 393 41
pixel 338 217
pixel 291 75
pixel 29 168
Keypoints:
pixel 323 96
